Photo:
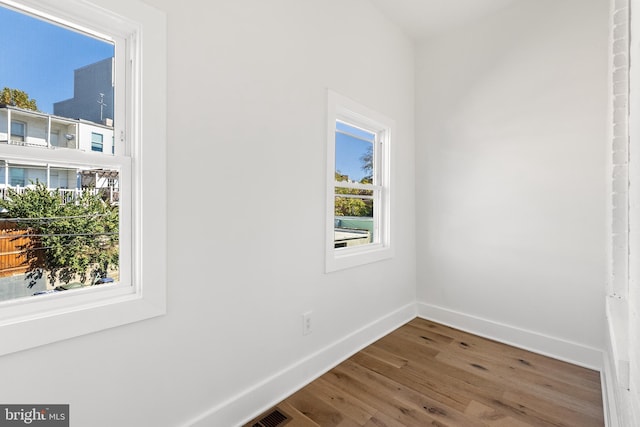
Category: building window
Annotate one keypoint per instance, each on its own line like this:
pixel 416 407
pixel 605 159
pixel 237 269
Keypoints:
pixel 16 177
pixel 96 142
pixel 137 290
pixel 358 184
pixel 18 131
pixel 54 138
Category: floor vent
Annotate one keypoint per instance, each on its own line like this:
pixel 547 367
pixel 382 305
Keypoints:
pixel 272 419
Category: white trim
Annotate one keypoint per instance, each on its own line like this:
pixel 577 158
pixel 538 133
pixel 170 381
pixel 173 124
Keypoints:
pixel 546 345
pixel 611 417
pixel 617 338
pixel 621 409
pixel 340 108
pixel 610 388
pixel 142 294
pixel 239 409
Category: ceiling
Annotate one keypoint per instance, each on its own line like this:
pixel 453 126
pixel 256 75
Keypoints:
pixel 423 18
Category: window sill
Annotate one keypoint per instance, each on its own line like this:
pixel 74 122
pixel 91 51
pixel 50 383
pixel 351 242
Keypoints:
pixel 344 258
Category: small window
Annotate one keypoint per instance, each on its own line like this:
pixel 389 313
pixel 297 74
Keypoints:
pixel 18 131
pixel 54 138
pixel 96 141
pixel 358 202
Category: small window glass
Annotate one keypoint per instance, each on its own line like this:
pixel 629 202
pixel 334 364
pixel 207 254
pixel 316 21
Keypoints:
pixel 355 194
pixel 96 142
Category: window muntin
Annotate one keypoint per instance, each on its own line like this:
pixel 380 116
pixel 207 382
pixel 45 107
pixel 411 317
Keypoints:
pixel 358 191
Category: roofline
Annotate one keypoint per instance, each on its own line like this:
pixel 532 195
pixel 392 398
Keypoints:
pixel 46 115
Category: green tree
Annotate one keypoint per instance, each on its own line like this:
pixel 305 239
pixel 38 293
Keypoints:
pixel 17 98
pixel 77 238
pixel 352 206
pixel 367 165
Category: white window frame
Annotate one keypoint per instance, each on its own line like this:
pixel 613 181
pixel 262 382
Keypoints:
pixel 139 32
pixel 341 108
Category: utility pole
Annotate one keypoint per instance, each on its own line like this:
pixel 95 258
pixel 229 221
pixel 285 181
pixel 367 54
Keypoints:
pixel 102 105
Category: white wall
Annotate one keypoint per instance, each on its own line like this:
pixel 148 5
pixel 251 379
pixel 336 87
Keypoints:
pixel 510 147
pixel 246 128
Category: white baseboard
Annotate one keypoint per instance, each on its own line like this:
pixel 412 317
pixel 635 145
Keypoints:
pixel 557 348
pixel 241 408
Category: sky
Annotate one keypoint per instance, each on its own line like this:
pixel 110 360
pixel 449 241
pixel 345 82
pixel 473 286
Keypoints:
pixel 39 58
pixel 350 149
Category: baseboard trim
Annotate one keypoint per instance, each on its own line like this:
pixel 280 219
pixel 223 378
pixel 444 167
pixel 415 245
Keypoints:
pixel 557 348
pixel 245 406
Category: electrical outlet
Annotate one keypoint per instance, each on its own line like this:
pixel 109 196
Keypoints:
pixel 306 323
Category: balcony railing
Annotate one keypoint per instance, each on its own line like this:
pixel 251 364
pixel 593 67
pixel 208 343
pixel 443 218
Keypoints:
pixel 110 194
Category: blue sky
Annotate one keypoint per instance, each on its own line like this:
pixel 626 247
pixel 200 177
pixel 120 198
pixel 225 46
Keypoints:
pixel 39 58
pixel 350 149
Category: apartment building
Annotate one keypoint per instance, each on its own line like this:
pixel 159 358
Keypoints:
pixel 39 130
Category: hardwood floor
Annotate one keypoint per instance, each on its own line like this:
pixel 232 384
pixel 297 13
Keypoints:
pixel 427 374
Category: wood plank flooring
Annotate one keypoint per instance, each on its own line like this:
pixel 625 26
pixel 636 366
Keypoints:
pixel 427 374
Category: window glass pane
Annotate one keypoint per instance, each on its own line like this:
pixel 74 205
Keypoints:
pixel 62 178
pixel 354 153
pixel 16 176
pixel 78 83
pixel 96 142
pixel 353 208
pixel 59 229
pixel 54 138
pixel 17 131
pixel 25 175
pixel 59 224
pixel 353 221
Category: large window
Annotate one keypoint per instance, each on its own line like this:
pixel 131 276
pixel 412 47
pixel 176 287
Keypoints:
pixel 66 232
pixel 358 175
pixel 101 199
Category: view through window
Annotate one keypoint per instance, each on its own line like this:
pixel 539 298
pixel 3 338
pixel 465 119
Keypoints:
pixel 354 189
pixel 59 185
pixel 358 225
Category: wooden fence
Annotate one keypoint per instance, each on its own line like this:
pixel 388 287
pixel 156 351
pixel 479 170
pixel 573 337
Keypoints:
pixel 13 259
